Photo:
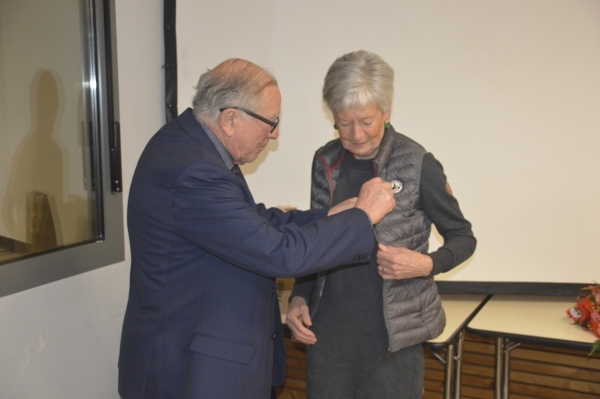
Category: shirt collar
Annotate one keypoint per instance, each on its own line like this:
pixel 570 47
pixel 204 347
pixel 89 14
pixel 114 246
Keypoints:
pixel 225 156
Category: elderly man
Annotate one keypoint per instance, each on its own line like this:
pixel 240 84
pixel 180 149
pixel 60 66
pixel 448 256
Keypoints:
pixel 203 319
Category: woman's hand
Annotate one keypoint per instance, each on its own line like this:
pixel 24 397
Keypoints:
pixel 298 319
pixel 402 263
pixel 343 206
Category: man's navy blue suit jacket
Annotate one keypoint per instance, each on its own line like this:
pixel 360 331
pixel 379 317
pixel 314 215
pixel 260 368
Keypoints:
pixel 202 320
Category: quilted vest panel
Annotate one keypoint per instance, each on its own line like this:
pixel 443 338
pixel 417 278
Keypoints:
pixel 412 308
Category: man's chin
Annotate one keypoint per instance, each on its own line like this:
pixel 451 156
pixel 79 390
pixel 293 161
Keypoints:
pixel 252 158
pixel 246 160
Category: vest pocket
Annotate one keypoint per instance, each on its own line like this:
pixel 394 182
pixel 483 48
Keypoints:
pixel 226 350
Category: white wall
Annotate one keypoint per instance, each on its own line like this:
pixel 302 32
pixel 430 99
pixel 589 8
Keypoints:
pixel 61 340
pixel 506 94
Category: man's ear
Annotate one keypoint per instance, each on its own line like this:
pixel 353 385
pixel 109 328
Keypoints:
pixel 227 121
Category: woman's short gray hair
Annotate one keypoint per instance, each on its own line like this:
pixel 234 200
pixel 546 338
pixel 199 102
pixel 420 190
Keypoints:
pixel 358 79
pixel 233 83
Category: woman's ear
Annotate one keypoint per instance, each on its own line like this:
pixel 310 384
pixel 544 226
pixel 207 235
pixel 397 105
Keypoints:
pixel 387 114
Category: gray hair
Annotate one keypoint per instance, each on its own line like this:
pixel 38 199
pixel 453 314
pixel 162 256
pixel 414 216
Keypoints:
pixel 358 79
pixel 233 83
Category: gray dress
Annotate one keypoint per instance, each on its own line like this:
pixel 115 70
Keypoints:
pixel 350 359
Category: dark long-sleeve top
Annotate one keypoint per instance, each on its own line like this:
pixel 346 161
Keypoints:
pixel 440 206
pixel 351 310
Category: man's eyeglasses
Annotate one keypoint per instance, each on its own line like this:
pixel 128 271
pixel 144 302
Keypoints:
pixel 271 123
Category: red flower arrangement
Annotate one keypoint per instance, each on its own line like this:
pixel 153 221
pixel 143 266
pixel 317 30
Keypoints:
pixel 586 313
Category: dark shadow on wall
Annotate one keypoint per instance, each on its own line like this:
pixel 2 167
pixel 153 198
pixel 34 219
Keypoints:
pixel 29 208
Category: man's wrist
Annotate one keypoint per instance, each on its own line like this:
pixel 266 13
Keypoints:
pixel 368 216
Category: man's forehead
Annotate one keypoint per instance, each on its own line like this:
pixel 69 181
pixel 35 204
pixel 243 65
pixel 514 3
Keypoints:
pixel 271 99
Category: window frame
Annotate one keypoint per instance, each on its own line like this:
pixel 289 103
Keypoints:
pixel 62 262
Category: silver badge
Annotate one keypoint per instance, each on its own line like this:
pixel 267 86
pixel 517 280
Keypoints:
pixel 396 186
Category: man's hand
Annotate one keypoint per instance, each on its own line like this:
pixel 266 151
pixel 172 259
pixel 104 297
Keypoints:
pixel 342 206
pixel 402 263
pixel 376 198
pixel 298 319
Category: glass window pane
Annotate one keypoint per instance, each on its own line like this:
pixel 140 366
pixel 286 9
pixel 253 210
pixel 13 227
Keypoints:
pixel 47 195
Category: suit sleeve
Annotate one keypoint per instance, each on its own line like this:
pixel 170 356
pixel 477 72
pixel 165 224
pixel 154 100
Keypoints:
pixel 276 217
pixel 215 211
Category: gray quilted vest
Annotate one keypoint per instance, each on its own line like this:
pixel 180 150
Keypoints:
pixel 412 308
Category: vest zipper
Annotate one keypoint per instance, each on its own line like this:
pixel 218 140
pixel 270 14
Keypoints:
pixel 385 319
pixel 385 283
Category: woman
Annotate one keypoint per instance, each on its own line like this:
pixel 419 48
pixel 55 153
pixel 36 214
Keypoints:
pixel 360 346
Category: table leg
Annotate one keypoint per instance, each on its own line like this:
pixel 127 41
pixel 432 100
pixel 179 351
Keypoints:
pixel 499 368
pixel 459 355
pixel 506 370
pixel 449 371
